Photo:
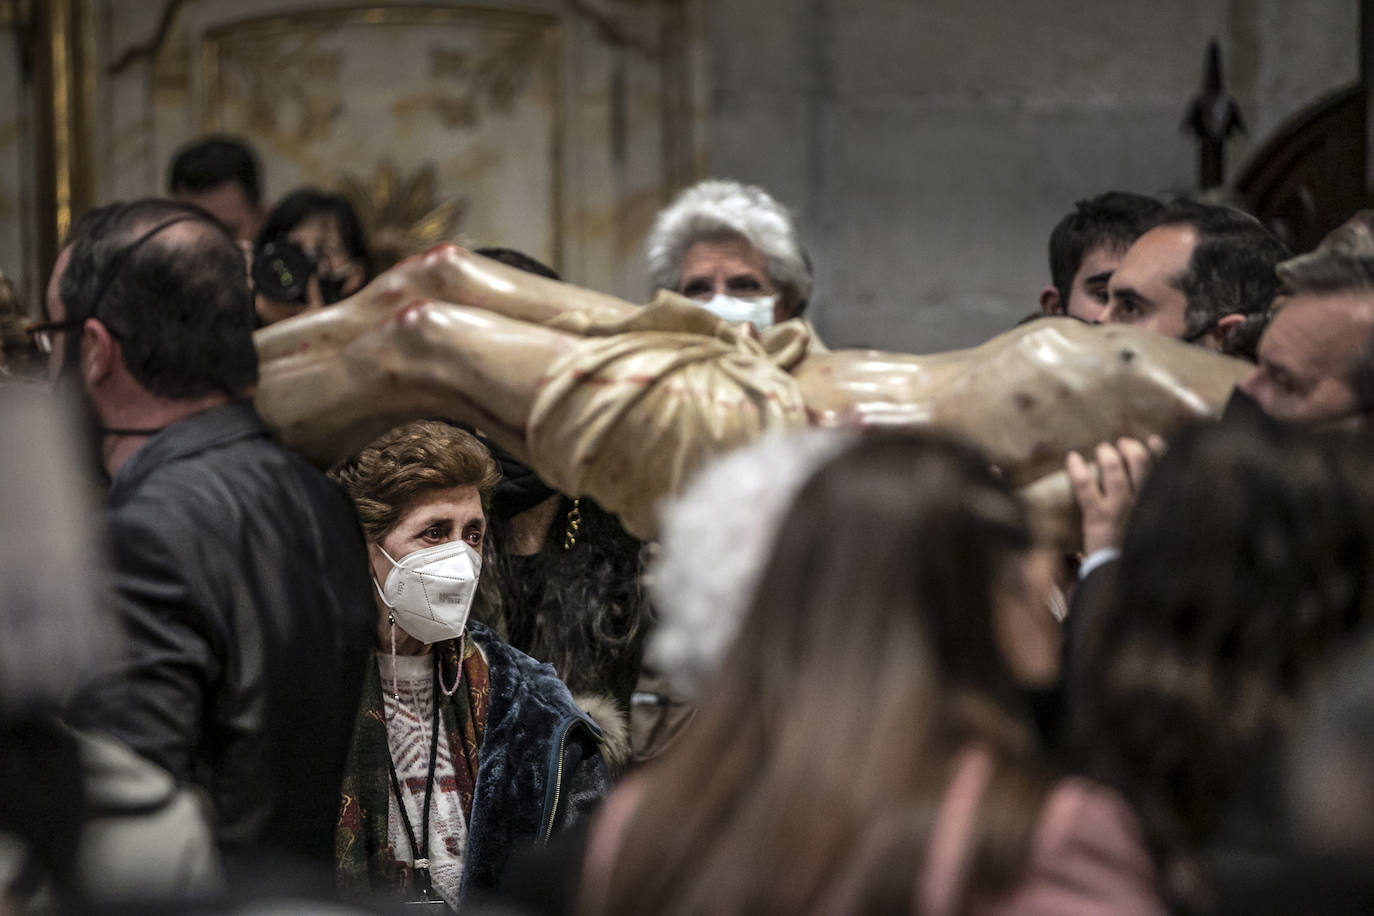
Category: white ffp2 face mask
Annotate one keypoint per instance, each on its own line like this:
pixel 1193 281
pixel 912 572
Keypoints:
pixel 430 591
pixel 758 311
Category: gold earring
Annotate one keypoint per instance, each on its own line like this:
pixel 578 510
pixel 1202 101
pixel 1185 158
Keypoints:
pixel 574 524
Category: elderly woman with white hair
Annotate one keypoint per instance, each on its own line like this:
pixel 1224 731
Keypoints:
pixel 734 249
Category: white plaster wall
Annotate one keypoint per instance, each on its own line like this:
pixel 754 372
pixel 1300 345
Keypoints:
pixel 931 145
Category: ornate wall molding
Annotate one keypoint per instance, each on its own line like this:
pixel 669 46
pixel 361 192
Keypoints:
pixel 60 39
pixel 555 126
pixel 404 215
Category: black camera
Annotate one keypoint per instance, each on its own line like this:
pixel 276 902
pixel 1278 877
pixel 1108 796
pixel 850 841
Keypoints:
pixel 282 271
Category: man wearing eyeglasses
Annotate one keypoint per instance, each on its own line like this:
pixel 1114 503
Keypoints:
pixel 232 560
pixel 1203 274
pixel 1316 358
pixel 47 335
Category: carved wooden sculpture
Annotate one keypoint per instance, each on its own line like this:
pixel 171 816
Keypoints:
pixel 621 402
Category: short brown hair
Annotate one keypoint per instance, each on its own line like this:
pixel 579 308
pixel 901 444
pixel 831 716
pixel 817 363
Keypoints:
pixel 386 477
pixel 1342 264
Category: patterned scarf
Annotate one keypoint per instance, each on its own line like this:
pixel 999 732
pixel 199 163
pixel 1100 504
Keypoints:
pixel 364 861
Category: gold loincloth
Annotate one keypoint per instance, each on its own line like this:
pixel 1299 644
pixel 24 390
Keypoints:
pixel 635 408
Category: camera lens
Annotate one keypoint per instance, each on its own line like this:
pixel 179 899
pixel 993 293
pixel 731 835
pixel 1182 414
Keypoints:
pixel 281 271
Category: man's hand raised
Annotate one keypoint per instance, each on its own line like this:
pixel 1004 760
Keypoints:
pixel 1106 492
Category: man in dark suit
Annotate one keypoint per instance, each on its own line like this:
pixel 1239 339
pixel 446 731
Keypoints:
pixel 238 571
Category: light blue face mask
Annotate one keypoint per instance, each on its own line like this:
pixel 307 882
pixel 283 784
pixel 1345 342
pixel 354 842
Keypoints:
pixel 758 311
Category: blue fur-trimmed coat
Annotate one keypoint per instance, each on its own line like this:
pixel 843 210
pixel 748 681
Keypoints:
pixel 534 732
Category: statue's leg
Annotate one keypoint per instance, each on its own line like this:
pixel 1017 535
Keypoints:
pixel 445 273
pixel 451 273
pixel 333 392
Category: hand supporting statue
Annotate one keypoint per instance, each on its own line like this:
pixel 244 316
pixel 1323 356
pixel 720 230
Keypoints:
pixel 1107 492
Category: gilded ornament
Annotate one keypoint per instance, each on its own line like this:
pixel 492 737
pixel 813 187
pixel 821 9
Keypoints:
pixel 403 216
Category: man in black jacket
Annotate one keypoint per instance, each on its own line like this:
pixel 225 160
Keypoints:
pixel 238 571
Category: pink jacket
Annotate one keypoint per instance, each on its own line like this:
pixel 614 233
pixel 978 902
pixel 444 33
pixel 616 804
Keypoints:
pixel 1087 856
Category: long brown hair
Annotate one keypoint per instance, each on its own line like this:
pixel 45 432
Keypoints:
pixel 866 663
pixel 1245 567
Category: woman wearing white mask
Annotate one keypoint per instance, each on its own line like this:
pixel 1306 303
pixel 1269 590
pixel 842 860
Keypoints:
pixel 734 249
pixel 463 747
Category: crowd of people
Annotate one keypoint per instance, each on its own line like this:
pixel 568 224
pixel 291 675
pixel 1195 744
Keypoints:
pixel 843 670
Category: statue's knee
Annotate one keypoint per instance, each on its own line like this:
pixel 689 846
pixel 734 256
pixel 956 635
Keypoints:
pixel 419 321
pixel 443 259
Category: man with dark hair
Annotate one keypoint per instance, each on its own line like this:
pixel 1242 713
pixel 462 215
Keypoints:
pixel 220 175
pixel 1087 245
pixel 518 259
pixel 1204 274
pixel 1316 358
pixel 237 570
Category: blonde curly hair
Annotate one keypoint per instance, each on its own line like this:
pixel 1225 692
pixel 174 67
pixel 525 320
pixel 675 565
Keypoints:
pixel 396 469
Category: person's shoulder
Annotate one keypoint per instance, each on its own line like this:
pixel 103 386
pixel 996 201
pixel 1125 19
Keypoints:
pixel 517 675
pixel 197 507
pixel 1080 809
pixel 605 838
pixel 225 478
pixel 506 661
pixel 1089 856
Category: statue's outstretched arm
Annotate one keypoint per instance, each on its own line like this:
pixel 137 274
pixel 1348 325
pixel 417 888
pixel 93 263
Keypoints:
pixel 448 273
pixel 333 393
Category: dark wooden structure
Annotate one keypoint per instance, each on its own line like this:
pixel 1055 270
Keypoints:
pixel 1213 116
pixel 1313 173
pixel 1309 177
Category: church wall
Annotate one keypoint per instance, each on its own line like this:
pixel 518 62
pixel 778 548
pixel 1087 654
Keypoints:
pixel 930 147
pixel 558 128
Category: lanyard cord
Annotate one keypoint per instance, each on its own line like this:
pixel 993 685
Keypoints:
pixel 419 851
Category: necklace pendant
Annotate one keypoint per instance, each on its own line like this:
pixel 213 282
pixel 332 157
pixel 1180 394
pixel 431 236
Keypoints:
pixel 422 864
